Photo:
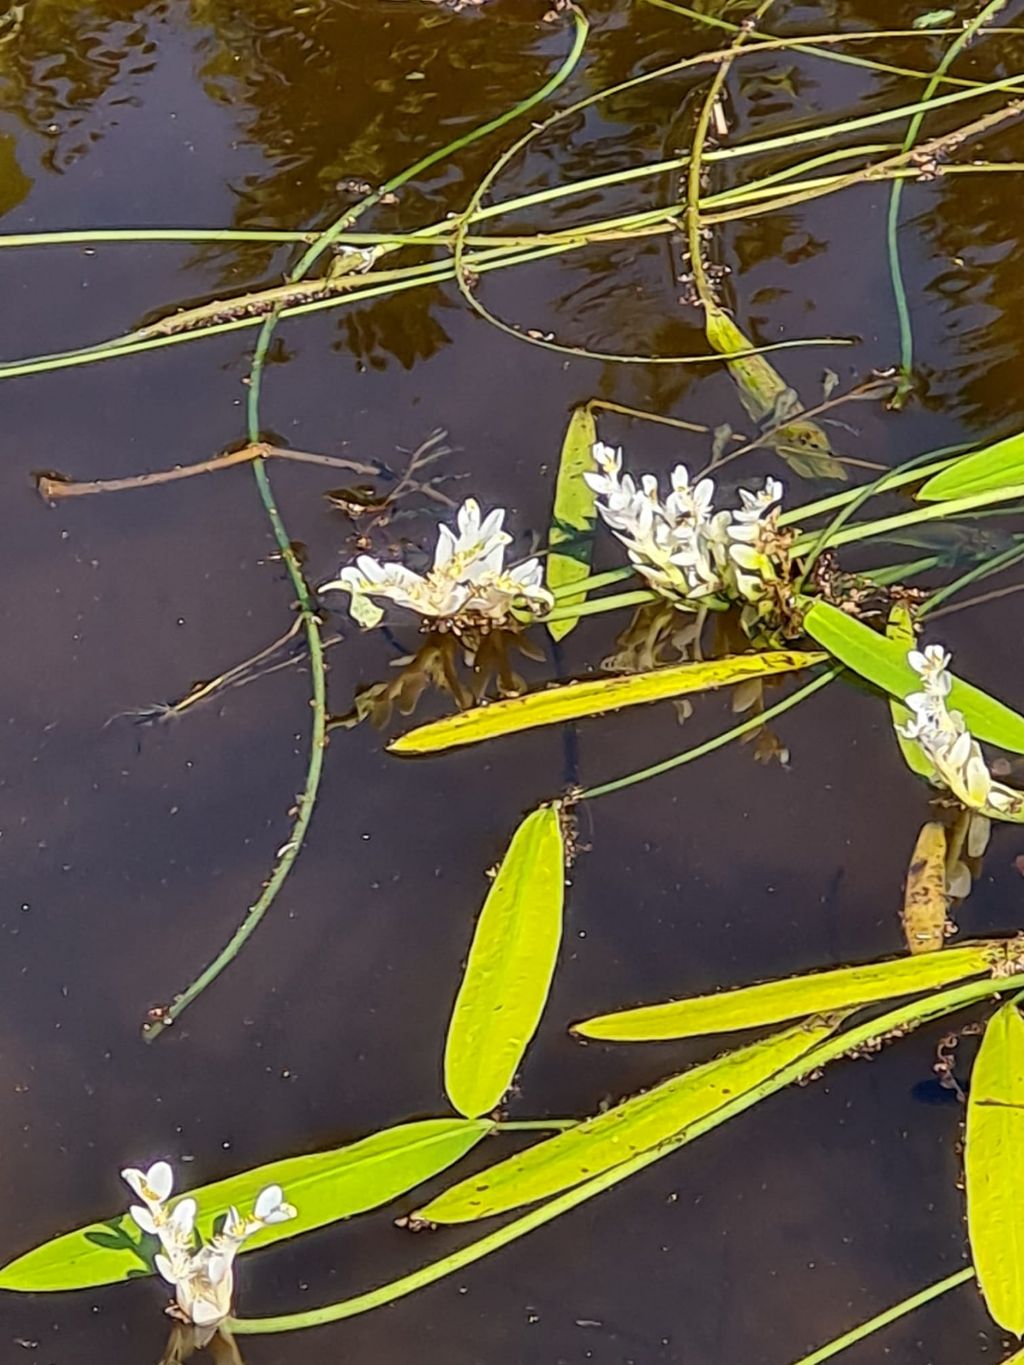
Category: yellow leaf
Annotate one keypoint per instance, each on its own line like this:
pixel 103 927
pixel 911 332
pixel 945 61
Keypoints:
pixel 510 966
pixel 801 443
pixel 572 516
pixel 925 902
pixel 572 701
pixel 637 1125
pixel 994 1162
pixel 771 1002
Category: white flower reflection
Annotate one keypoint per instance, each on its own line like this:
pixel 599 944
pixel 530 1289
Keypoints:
pixel 468 581
pixel 202 1276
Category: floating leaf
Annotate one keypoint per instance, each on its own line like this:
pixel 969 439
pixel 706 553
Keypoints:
pixel 609 1139
pixel 900 627
pixel 511 963
pixel 996 466
pixel 323 1186
pixel 765 395
pixel 925 902
pixel 771 1002
pixel 573 516
pixel 572 701
pixel 884 663
pixel 994 1163
pixel 934 18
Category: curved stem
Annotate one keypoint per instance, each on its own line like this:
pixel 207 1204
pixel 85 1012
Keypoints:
pixel 893 1024
pixel 899 289
pixel 311 622
pixel 709 746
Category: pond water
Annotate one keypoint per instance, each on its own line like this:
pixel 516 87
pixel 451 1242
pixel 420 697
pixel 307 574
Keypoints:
pixel 132 851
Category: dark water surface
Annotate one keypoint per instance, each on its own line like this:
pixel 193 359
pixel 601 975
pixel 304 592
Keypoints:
pixel 130 853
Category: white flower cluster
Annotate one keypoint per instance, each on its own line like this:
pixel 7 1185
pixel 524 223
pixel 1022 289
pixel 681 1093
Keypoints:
pixel 203 1278
pixel 946 741
pixel 468 580
pixel 681 546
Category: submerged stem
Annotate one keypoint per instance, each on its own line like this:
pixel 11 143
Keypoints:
pixel 318 733
pixel 710 745
pixel 896 194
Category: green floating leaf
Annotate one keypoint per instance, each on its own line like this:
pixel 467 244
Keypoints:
pixel 511 963
pixel 935 18
pixel 994 1165
pixel 996 466
pixel 574 700
pixel 323 1186
pixel 900 627
pixel 764 393
pixel 609 1139
pixel 925 902
pixel 573 517
pixel 772 1002
pixel 884 663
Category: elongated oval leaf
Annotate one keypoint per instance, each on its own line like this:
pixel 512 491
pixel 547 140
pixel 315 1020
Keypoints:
pixel 925 902
pixel 572 701
pixel 996 466
pixel 323 1186
pixel 609 1139
pixel 763 392
pixel 511 963
pixel 900 627
pixel 884 663
pixel 771 1002
pixel 571 539
pixel 994 1162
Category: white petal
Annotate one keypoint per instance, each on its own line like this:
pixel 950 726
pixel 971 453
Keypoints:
pixel 203 1312
pixel 979 831
pixel 917 661
pixel 182 1222
pixel 144 1219
pixel 445 548
pixel 267 1200
pixel 165 1268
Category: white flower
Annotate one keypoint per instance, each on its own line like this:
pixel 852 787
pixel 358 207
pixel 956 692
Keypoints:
pixel 682 547
pixel 947 743
pixel 468 577
pixel 203 1278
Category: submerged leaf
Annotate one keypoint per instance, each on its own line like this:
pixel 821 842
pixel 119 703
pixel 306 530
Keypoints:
pixel 637 1125
pixel 900 627
pixel 573 517
pixel 767 398
pixel 323 1186
pixel 884 663
pixel 772 1002
pixel 574 700
pixel 511 963
pixel 934 18
pixel 994 1165
pixel 925 902
pixel 996 466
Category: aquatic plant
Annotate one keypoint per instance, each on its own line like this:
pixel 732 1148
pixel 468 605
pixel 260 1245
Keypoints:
pixel 771 565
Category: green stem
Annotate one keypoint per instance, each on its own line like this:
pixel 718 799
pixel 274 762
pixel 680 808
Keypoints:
pixel 600 604
pixel 318 734
pixel 896 195
pixel 933 512
pixel 899 477
pixel 893 1024
pixel 718 742
pixel 1004 560
pixel 595 581
pixel 533 1125
pixel 891 1315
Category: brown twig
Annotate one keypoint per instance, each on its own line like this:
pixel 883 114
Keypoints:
pixel 53 486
